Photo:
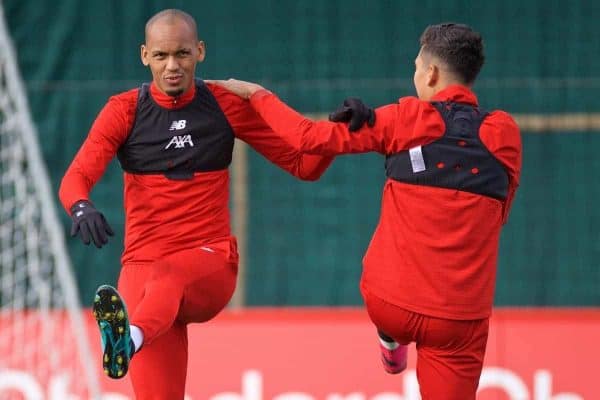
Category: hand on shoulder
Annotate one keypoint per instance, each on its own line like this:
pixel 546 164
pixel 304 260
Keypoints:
pixel 241 88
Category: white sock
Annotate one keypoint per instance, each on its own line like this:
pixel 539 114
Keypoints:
pixel 137 336
pixel 389 345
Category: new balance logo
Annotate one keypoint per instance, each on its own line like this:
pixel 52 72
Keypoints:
pixel 180 141
pixel 178 125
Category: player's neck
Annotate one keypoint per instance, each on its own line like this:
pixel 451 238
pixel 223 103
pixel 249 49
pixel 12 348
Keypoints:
pixel 166 101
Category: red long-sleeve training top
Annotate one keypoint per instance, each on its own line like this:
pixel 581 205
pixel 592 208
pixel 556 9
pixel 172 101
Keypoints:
pixel 434 250
pixel 163 216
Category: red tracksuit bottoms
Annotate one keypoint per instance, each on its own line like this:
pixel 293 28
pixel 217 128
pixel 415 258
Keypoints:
pixel 162 298
pixel 449 352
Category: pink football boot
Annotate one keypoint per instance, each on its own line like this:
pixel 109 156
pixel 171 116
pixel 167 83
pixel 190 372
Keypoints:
pixel 394 361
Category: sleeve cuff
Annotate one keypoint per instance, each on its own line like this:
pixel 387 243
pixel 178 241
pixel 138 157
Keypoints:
pixel 259 94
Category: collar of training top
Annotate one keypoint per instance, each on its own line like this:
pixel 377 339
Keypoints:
pixel 457 94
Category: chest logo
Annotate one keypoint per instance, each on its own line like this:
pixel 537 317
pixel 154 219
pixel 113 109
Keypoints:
pixel 180 141
pixel 178 125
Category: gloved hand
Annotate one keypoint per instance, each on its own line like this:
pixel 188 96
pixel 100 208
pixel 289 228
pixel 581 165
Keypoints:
pixel 89 222
pixel 353 110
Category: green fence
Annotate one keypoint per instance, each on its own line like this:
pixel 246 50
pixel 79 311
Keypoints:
pixel 306 240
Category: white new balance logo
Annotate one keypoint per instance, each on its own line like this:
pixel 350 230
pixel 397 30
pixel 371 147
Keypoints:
pixel 180 141
pixel 178 125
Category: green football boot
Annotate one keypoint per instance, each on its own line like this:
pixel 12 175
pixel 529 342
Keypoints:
pixel 111 314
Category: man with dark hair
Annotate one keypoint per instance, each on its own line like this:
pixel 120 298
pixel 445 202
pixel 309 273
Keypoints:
pixel 453 169
pixel 174 139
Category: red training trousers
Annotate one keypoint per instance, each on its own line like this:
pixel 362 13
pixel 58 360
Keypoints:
pixel 162 298
pixel 449 352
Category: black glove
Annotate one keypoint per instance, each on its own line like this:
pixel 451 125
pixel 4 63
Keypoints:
pixel 354 111
pixel 89 222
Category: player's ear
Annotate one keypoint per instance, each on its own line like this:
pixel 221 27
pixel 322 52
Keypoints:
pixel 144 55
pixel 201 51
pixel 433 74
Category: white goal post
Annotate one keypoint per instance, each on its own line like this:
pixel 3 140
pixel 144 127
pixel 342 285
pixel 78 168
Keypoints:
pixel 44 349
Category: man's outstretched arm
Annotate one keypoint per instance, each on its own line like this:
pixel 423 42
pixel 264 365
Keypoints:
pixel 315 137
pixel 275 147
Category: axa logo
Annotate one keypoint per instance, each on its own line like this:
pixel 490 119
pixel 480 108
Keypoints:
pixel 180 141
pixel 178 125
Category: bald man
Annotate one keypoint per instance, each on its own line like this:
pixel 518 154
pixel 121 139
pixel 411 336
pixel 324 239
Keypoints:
pixel 174 139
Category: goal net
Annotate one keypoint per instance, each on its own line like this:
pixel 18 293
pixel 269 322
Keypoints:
pixel 44 351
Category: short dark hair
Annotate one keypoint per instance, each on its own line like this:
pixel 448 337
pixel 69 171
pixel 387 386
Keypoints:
pixel 458 46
